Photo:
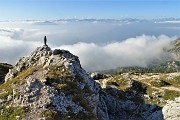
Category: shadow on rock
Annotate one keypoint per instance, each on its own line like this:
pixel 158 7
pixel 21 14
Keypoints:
pixel 129 104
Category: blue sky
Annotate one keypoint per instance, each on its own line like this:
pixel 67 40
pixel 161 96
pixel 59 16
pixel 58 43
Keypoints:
pixel 55 9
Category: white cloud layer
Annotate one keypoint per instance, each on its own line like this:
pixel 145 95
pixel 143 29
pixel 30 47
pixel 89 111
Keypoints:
pixel 98 45
pixel 11 50
pixel 138 51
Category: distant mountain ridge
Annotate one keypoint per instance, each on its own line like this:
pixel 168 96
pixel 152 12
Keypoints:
pixel 100 20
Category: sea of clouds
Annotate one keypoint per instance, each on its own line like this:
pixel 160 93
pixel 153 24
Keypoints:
pixel 99 45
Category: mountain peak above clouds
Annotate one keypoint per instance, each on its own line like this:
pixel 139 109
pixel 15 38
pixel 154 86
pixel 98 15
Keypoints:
pixel 51 84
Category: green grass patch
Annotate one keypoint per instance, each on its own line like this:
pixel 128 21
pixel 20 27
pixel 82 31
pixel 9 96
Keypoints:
pixel 174 81
pixel 10 113
pixel 170 94
pixel 150 90
pixel 61 87
pixel 159 83
pixel 152 98
pixel 118 81
pixel 57 74
pixel 48 114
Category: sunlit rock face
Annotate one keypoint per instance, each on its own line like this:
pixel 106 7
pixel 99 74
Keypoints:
pixel 56 82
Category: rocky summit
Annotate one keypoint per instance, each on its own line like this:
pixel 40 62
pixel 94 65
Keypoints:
pixel 52 85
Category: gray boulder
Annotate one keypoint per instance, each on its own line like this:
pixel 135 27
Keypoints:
pixel 171 111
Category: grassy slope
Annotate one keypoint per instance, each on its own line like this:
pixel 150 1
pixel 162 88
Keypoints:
pixel 159 86
pixel 8 112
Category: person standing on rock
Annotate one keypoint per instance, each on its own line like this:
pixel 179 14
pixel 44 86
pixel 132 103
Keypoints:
pixel 45 40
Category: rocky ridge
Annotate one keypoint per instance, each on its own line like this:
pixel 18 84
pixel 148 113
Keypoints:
pixel 51 84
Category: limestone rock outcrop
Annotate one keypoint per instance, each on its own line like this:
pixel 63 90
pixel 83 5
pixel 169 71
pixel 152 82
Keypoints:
pixel 55 82
pixel 171 110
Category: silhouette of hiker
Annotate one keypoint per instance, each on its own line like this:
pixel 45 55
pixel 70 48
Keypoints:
pixel 45 40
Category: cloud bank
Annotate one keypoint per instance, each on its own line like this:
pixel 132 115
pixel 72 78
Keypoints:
pixel 99 45
pixel 138 51
pixel 11 50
